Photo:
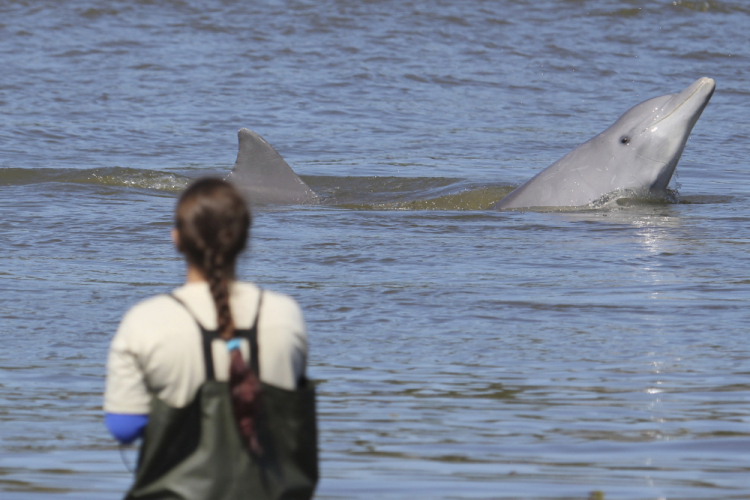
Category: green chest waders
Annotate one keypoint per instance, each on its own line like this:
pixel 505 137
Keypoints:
pixel 196 453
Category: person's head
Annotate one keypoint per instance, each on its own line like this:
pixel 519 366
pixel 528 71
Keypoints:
pixel 212 223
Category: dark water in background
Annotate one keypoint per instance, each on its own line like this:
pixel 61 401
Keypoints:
pixel 462 353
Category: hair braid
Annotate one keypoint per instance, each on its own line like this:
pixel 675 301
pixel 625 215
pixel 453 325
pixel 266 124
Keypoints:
pixel 218 284
pixel 213 222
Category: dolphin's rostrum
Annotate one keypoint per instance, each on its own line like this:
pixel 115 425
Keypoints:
pixel 638 152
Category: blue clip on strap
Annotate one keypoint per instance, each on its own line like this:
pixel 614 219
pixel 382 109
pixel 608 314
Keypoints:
pixel 233 344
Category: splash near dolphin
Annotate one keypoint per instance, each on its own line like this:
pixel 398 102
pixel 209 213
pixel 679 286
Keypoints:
pixel 639 152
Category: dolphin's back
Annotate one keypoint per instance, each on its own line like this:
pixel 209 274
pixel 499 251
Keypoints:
pixel 264 177
pixel 566 183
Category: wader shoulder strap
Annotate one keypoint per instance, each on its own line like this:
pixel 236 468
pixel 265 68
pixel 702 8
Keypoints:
pixel 254 362
pixel 208 337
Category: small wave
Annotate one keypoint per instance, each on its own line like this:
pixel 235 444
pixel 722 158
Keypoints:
pixel 111 176
pixel 93 13
pixel 146 179
pixel 458 21
pixel 622 12
pixel 406 193
pixel 705 199
pixel 373 189
pixel 705 55
pixel 709 6
pixel 616 200
pixel 471 199
pixel 635 197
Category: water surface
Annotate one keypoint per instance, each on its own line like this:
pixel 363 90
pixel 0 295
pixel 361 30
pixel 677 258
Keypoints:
pixel 461 352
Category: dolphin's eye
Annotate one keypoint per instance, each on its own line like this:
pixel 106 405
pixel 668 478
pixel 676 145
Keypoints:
pixel 625 140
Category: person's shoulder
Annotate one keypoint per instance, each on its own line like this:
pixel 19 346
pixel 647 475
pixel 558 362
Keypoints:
pixel 149 314
pixel 279 300
pixel 276 306
pixel 152 306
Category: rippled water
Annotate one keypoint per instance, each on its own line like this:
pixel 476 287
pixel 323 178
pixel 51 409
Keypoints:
pixel 461 352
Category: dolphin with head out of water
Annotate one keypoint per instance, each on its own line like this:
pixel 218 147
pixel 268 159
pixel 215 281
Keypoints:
pixel 638 152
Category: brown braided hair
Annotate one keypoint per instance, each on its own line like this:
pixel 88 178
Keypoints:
pixel 213 222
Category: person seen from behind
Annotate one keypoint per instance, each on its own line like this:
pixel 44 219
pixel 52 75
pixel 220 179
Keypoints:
pixel 212 376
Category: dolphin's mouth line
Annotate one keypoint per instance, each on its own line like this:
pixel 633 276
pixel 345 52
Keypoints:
pixel 678 106
pixel 649 159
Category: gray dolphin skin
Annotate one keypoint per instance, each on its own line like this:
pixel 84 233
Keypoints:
pixel 262 175
pixel 640 151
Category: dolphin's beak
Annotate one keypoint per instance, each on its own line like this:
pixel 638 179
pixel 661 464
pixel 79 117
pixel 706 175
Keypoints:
pixel 691 102
pixel 681 113
pixel 698 94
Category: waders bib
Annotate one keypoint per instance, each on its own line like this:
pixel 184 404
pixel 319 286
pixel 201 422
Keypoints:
pixel 196 453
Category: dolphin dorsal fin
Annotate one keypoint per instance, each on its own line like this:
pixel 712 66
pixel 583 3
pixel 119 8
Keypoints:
pixel 263 176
